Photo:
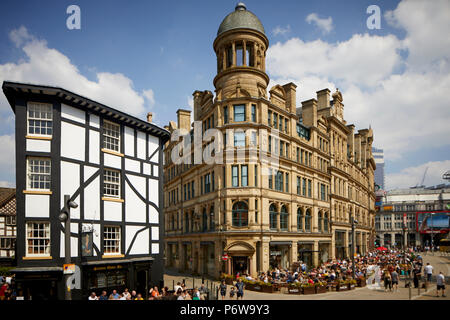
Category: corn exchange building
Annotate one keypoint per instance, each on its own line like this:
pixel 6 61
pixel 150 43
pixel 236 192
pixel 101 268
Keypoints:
pixel 244 214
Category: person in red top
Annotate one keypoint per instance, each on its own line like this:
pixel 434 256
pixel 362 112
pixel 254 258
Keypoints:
pixel 3 290
pixel 155 293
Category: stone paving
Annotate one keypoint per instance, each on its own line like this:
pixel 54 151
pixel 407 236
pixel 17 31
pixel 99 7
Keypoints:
pixel 439 262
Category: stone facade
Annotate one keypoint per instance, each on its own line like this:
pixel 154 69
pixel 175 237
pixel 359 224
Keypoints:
pixel 256 214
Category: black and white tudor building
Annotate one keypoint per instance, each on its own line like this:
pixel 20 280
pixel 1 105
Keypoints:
pixel 110 163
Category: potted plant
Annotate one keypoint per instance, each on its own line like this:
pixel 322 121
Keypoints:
pixel 258 286
pixel 321 287
pixel 308 288
pixel 228 278
pixel 351 284
pixel 341 285
pixel 295 288
pixel 267 287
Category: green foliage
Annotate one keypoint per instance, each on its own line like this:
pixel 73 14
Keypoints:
pixel 5 271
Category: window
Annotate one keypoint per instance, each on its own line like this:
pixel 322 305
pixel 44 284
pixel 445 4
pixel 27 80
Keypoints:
pixel 273 217
pixel 111 183
pixel 204 220
pixel 111 136
pixel 256 175
pixel 270 144
pixel 211 219
pixel 229 56
pixel 192 187
pixel 304 187
pixel 326 227
pixel 320 220
pixel 269 119
pixel 285 125
pixel 207 181
pixel 308 220
pixel 275 120
pixel 239 55
pixel 281 124
pixel 244 176
pixel 239 113
pixel 253 138
pixel 256 210
pixel 40 119
pixel 239 139
pixel 287 182
pixel 270 179
pixel 240 214
pixel 309 188
pixel 322 192
pixel 38 239
pixel 298 185
pixel 284 217
pixel 254 112
pixel 299 219
pixel 235 176
pixel 225 115
pixel 111 240
pixel 39 173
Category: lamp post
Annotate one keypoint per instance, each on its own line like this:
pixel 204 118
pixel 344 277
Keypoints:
pixel 432 233
pixel 64 216
pixel 353 221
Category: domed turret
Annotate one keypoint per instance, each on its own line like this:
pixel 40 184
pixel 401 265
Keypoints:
pixel 241 46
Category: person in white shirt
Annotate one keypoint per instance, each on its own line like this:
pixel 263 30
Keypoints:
pixel 93 296
pixel 428 271
pixel 440 282
pixel 178 286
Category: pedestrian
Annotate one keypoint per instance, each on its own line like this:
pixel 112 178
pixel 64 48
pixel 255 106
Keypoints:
pixel 387 280
pixel 196 294
pixel 126 294
pixel 416 275
pixel 93 296
pixel 223 289
pixel 428 270
pixel 232 292
pixel 240 289
pixel 181 295
pixel 178 286
pixel 440 282
pixel 139 297
pixel 395 277
pixel 154 294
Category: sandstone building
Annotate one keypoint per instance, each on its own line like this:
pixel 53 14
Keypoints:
pixel 257 215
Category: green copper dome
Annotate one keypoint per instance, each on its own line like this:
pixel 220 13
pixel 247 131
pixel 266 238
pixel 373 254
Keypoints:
pixel 240 18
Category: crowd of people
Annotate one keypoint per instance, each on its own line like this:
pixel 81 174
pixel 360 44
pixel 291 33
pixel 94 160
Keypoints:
pixel 180 292
pixel 392 263
pixel 7 288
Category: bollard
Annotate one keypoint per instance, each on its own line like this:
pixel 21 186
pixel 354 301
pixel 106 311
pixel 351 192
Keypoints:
pixel 203 279
pixel 193 282
pixel 410 292
pixel 173 285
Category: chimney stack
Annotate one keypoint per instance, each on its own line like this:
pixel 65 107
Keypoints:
pixel 149 117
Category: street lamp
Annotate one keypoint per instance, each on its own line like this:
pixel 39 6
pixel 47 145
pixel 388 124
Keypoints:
pixel 432 233
pixel 64 216
pixel 354 222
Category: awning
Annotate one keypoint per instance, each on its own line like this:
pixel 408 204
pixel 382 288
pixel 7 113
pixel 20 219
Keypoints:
pixel 37 269
pixel 280 243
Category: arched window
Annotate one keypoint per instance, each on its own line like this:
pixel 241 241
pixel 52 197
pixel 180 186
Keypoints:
pixel 308 220
pixel 240 214
pixel 205 220
pixel 284 217
pixel 300 219
pixel 320 220
pixel 211 219
pixel 186 222
pixel 325 223
pixel 273 216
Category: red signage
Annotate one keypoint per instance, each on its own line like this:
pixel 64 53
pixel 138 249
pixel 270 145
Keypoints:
pixel 225 257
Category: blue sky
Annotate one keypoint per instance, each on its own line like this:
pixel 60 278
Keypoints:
pixel 162 52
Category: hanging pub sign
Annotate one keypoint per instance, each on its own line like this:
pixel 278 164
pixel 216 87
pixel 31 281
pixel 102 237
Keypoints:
pixel 86 244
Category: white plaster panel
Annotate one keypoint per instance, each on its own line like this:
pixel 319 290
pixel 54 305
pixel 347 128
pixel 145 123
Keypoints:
pixel 112 161
pixel 96 240
pixel 37 206
pixel 73 246
pixel 92 200
pixel 141 244
pixel 70 182
pixel 38 145
pixel 153 144
pixel 155 248
pixel 155 170
pixel 153 215
pixel 147 168
pixel 153 191
pixel 89 171
pixel 112 211
pixel 134 207
pixel 129 141
pixel 132 165
pixel 72 113
pixel 94 121
pixel 94 147
pixel 72 141
pixel 139 184
pixel 141 150
pixel 155 233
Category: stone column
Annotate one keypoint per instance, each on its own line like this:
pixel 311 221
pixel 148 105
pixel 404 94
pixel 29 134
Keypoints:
pixel 244 53
pixel 265 255
pixel 294 253
pixel 252 260
pixel 218 258
pixel 233 46
pixel 316 253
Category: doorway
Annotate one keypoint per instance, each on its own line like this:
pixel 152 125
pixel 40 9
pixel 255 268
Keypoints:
pixel 240 264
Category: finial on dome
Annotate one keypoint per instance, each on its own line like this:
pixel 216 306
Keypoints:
pixel 240 6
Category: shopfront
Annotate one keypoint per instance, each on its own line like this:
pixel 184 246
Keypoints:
pixel 279 254
pixel 208 257
pixel 187 256
pixel 324 251
pixel 39 283
pixel 305 253
pixel 340 248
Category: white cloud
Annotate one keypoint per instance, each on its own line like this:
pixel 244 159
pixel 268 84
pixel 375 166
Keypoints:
pixel 47 66
pixel 281 31
pixel 7 159
pixel 404 99
pixel 412 176
pixel 7 184
pixel 325 25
